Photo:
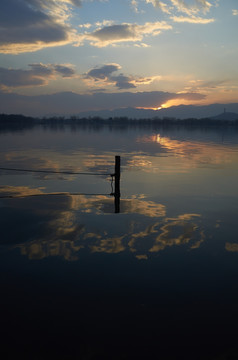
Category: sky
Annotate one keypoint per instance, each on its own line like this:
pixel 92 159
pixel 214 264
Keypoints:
pixel 62 56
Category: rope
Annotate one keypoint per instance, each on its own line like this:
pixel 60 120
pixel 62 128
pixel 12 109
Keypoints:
pixel 54 194
pixel 56 172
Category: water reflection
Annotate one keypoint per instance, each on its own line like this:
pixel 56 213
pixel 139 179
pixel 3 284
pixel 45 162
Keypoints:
pixel 165 267
pixel 198 153
pixel 233 247
pixel 53 161
pixel 64 224
pixel 94 152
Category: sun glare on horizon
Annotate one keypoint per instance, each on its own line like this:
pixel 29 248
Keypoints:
pixel 163 106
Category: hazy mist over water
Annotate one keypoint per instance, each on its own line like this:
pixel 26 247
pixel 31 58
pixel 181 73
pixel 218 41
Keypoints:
pixel 83 282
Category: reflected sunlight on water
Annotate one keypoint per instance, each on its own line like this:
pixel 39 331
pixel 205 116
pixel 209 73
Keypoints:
pixel 195 152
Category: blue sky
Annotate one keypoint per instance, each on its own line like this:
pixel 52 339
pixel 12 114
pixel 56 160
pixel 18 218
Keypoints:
pixel 158 53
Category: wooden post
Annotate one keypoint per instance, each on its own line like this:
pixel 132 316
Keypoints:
pixel 117 183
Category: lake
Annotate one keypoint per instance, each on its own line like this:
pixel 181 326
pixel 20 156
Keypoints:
pixel 86 274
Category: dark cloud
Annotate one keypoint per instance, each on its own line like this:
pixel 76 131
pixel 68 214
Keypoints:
pixel 124 33
pixel 65 71
pixel 40 69
pixel 123 82
pixel 18 78
pixel 38 75
pixel 20 13
pixel 115 32
pixel 71 103
pixel 29 25
pixel 102 72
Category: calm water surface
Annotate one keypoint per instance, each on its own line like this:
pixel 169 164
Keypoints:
pixel 157 280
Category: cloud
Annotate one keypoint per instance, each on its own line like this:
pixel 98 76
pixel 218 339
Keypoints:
pixel 121 81
pixel 192 20
pixel 213 83
pixel 129 82
pixel 86 25
pixel 64 70
pixel 159 4
pixel 103 72
pixel 38 75
pixel 30 25
pixel 191 9
pixel 209 85
pixel 204 5
pixel 112 34
pixel 183 6
pixel 235 12
pixel 72 103
pixel 134 4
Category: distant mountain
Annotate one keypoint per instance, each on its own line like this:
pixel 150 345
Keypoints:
pixel 177 112
pixel 121 104
pixel 226 116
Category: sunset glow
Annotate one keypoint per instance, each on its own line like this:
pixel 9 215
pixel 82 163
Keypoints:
pixel 97 55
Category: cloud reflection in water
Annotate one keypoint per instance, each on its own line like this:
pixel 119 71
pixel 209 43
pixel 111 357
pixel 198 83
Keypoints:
pixel 64 224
